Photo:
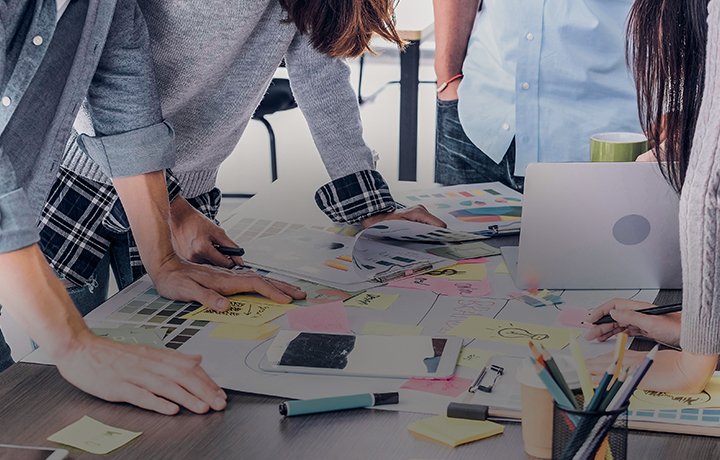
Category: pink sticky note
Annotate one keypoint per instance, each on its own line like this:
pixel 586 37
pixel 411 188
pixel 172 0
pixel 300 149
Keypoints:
pixel 479 260
pixel 574 317
pixel 421 283
pixel 466 288
pixel 327 317
pixel 454 387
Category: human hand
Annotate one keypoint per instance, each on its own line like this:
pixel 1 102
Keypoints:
pixel 157 380
pixel 195 236
pixel 661 328
pixel 651 155
pixel 416 214
pixel 181 280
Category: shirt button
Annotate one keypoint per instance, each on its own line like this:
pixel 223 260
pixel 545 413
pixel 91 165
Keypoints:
pixel 37 40
pixel 529 36
pixel 505 126
pixel 6 101
pixel 526 85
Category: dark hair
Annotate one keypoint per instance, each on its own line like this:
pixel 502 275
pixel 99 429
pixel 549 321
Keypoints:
pixel 666 42
pixel 343 28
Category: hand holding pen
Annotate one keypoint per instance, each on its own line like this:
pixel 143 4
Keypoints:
pixel 635 319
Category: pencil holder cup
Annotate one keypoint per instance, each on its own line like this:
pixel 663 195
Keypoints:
pixel 589 435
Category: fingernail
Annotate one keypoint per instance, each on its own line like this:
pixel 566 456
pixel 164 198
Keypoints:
pixel 220 304
pixel 219 402
pixel 222 395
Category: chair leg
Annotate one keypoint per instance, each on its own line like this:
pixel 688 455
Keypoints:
pixel 273 155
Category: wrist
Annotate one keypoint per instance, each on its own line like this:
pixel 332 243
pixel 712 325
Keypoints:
pixel 442 85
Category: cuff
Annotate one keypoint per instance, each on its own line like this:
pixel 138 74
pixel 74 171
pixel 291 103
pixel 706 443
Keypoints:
pixel 134 152
pixel 699 328
pixel 18 225
pixel 355 197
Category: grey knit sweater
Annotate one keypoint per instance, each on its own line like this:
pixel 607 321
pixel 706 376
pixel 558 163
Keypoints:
pixel 699 217
pixel 214 62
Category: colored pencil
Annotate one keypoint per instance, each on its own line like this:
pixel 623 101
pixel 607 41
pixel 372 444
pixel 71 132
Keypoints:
pixel 601 389
pixel 613 389
pixel 552 386
pixel 557 376
pixel 626 391
pixel 619 352
pixel 581 368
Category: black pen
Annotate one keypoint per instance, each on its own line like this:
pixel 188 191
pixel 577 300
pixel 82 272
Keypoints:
pixel 230 251
pixel 660 310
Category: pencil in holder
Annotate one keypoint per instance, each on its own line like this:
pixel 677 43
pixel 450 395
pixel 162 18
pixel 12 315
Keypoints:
pixel 585 435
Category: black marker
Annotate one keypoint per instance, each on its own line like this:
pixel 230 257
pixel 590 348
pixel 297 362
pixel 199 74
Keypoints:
pixel 229 251
pixel 660 310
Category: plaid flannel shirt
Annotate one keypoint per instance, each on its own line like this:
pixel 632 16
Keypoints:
pixel 355 197
pixel 81 217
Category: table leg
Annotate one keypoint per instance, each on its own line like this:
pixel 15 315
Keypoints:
pixel 409 68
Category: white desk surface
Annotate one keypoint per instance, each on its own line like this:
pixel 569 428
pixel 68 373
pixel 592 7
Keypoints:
pixel 415 20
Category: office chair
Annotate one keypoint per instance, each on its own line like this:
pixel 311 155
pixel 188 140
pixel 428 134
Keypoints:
pixel 279 97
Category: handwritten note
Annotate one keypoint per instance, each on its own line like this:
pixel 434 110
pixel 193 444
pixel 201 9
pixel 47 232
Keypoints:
pixel 650 400
pixel 502 268
pixel 376 328
pixel 574 317
pixel 421 283
pixel 465 288
pixel 453 432
pixel 259 300
pixel 373 300
pixel 243 332
pixel 135 335
pixel 92 436
pixel 462 272
pixel 240 312
pixel 319 293
pixel 496 330
pixel 328 317
pixel 453 387
pixel 477 359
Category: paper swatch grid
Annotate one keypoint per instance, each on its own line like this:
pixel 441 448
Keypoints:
pixel 471 207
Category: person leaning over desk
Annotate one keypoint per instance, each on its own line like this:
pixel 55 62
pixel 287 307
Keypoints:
pixel 99 48
pixel 676 62
pixel 214 61
pixel 526 81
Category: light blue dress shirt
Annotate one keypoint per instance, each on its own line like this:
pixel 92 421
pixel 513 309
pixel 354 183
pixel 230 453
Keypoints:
pixel 550 73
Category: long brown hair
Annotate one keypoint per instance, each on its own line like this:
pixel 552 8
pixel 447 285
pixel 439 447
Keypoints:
pixel 666 41
pixel 343 28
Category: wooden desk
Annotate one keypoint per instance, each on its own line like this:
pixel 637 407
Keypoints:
pixel 415 23
pixel 35 402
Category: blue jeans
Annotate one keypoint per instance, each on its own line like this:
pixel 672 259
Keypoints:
pixel 459 161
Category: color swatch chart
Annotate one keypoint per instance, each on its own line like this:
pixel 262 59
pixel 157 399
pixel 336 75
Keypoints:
pixel 149 310
pixel 473 207
pixel 702 417
pixel 242 229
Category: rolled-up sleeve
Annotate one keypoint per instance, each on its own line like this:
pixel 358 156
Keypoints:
pixel 124 105
pixel 17 222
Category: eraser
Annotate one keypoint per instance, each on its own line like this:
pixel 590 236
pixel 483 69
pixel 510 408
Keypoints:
pixel 467 411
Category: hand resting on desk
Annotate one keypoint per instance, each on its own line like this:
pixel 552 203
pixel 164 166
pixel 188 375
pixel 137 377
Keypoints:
pixel 416 214
pixel 661 328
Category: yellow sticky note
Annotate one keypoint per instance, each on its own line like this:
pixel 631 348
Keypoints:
pixel 496 330
pixel 373 300
pixel 453 431
pixel 461 272
pixel 502 268
pixel 92 436
pixel 651 400
pixel 250 314
pixel 258 300
pixel 472 357
pixel 243 332
pixel 375 328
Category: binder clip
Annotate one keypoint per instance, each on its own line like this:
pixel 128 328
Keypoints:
pixel 487 378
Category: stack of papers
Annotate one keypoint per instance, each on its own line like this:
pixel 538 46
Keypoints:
pixel 453 431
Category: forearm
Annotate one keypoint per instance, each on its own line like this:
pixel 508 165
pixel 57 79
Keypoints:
pixel 145 200
pixel 679 372
pixel 37 300
pixel 454 21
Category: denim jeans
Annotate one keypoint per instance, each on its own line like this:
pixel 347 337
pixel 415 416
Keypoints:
pixel 459 161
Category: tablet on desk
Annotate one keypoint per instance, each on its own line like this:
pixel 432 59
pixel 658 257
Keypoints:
pixel 363 355
pixel 10 452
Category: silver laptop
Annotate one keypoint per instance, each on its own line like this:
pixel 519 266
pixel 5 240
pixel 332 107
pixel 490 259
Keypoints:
pixel 597 226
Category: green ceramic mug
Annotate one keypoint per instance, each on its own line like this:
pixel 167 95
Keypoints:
pixel 617 146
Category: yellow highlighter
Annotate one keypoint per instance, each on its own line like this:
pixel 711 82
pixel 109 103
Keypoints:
pixel 583 374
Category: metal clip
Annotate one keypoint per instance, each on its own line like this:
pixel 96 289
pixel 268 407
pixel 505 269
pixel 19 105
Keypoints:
pixel 487 378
